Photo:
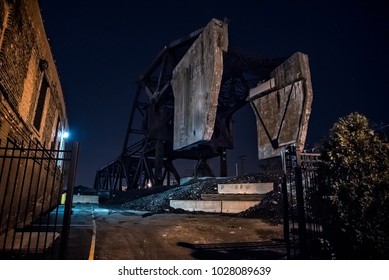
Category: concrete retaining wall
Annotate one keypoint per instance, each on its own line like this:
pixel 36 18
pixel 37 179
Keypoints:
pixel 212 206
pixel 237 206
pixel 248 188
pixel 197 205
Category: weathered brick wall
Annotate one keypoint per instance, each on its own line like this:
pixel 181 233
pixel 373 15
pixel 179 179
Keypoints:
pixel 25 59
pixel 15 53
pixel 25 62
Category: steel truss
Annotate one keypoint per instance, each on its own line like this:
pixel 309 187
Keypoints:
pixel 148 155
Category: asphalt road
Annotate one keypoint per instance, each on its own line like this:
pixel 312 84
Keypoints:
pixel 117 234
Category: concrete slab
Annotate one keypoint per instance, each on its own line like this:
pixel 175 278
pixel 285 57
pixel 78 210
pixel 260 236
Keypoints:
pixel 213 206
pixel 86 199
pixel 237 206
pixel 197 205
pixel 247 188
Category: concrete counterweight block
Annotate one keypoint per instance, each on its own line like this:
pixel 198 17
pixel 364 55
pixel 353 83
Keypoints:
pixel 196 85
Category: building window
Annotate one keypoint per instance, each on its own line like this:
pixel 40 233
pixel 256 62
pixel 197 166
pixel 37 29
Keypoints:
pixel 57 140
pixel 41 104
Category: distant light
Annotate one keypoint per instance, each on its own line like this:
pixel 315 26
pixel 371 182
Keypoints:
pixel 149 184
pixel 65 135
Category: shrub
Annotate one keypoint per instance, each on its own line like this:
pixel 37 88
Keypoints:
pixel 354 190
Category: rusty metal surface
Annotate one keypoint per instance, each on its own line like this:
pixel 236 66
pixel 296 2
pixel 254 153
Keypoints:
pixel 282 106
pixel 196 84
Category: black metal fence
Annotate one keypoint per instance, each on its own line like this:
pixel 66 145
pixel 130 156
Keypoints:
pixel 33 181
pixel 302 230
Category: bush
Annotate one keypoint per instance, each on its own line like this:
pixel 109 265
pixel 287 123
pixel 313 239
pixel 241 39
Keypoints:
pixel 354 190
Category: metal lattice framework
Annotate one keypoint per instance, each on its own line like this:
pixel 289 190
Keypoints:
pixel 148 154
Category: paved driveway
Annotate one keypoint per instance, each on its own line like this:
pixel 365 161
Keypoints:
pixel 119 234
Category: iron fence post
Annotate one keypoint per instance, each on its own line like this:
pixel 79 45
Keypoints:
pixel 69 201
pixel 301 212
pixel 285 213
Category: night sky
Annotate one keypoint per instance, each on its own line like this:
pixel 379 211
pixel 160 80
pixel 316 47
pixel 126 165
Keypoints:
pixel 101 47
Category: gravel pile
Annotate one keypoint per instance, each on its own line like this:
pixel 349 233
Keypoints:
pixel 270 209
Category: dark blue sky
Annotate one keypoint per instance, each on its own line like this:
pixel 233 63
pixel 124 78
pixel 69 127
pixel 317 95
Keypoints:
pixel 101 47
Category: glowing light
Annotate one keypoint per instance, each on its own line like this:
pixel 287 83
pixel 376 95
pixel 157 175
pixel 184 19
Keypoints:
pixel 65 135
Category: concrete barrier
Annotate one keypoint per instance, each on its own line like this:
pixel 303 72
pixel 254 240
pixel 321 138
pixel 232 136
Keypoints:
pixel 212 206
pixel 85 199
pixel 247 188
pixel 237 206
pixel 197 205
pixel 231 198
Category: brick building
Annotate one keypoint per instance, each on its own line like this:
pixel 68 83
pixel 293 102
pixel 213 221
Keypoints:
pixel 32 104
pixel 32 110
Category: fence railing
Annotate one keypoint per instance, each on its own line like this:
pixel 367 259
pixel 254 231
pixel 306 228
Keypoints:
pixel 302 231
pixel 33 181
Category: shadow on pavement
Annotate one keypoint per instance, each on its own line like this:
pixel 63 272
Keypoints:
pixel 266 250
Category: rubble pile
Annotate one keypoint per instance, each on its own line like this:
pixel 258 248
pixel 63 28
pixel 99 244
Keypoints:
pixel 159 202
pixel 270 209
